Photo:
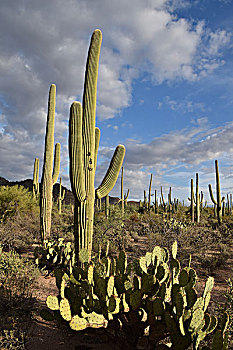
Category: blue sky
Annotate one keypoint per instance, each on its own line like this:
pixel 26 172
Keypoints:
pixel 165 87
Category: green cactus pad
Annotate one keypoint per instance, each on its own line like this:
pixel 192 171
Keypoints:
pixel 78 323
pixel 191 297
pixel 100 269
pixel 224 322
pixel 207 300
pixel 52 302
pixel 111 304
pixel 65 310
pixel 62 289
pixel 196 320
pixel 143 264
pixel 192 277
pixel 83 255
pixel 121 263
pixel 179 304
pixel 158 307
pixel 94 318
pixel 208 286
pixel 148 257
pixel 183 278
pixel 90 272
pixel 174 291
pixel 199 303
pixel 156 255
pixel 175 266
pixel 110 286
pixel 162 272
pixel 174 250
pixel 128 285
pixel 135 299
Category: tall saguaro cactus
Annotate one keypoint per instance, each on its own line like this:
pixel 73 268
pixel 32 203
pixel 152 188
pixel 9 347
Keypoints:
pixel 219 201
pixel 149 195
pixel 83 148
pixel 35 184
pixel 50 172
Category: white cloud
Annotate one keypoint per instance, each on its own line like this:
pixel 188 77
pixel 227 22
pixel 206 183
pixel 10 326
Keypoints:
pixel 40 45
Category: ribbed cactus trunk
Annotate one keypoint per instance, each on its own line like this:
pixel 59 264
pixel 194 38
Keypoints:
pixel 156 203
pixel 197 200
pixel 83 148
pixel 219 201
pixel 192 202
pixel 50 173
pixel 122 192
pixel 35 184
pixel 149 195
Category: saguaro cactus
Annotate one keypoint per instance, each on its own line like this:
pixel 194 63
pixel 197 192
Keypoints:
pixel 149 194
pixel 125 196
pixel 61 197
pixel 35 184
pixel 83 148
pixel 50 173
pixel 219 201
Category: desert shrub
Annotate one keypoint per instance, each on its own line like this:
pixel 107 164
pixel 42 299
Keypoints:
pixel 12 339
pixel 17 276
pixel 17 279
pixel 15 200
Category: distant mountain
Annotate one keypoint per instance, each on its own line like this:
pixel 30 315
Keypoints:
pixel 69 197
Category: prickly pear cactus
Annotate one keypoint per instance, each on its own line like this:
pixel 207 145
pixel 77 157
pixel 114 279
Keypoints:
pixel 151 291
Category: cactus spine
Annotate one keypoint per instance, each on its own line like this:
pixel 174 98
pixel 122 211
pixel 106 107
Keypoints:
pixel 35 185
pixel 219 201
pixel 83 148
pixel 60 197
pixel 50 173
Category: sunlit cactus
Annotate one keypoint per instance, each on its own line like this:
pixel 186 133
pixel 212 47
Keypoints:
pixel 217 203
pixel 83 148
pixel 50 172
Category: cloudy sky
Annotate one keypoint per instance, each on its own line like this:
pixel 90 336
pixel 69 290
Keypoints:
pixel 165 87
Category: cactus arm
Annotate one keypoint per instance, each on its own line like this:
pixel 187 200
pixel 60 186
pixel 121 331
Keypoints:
pixel 35 188
pixel 112 172
pixel 211 195
pixel 97 141
pixel 56 167
pixel 75 152
pixel 162 196
pixel 126 195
